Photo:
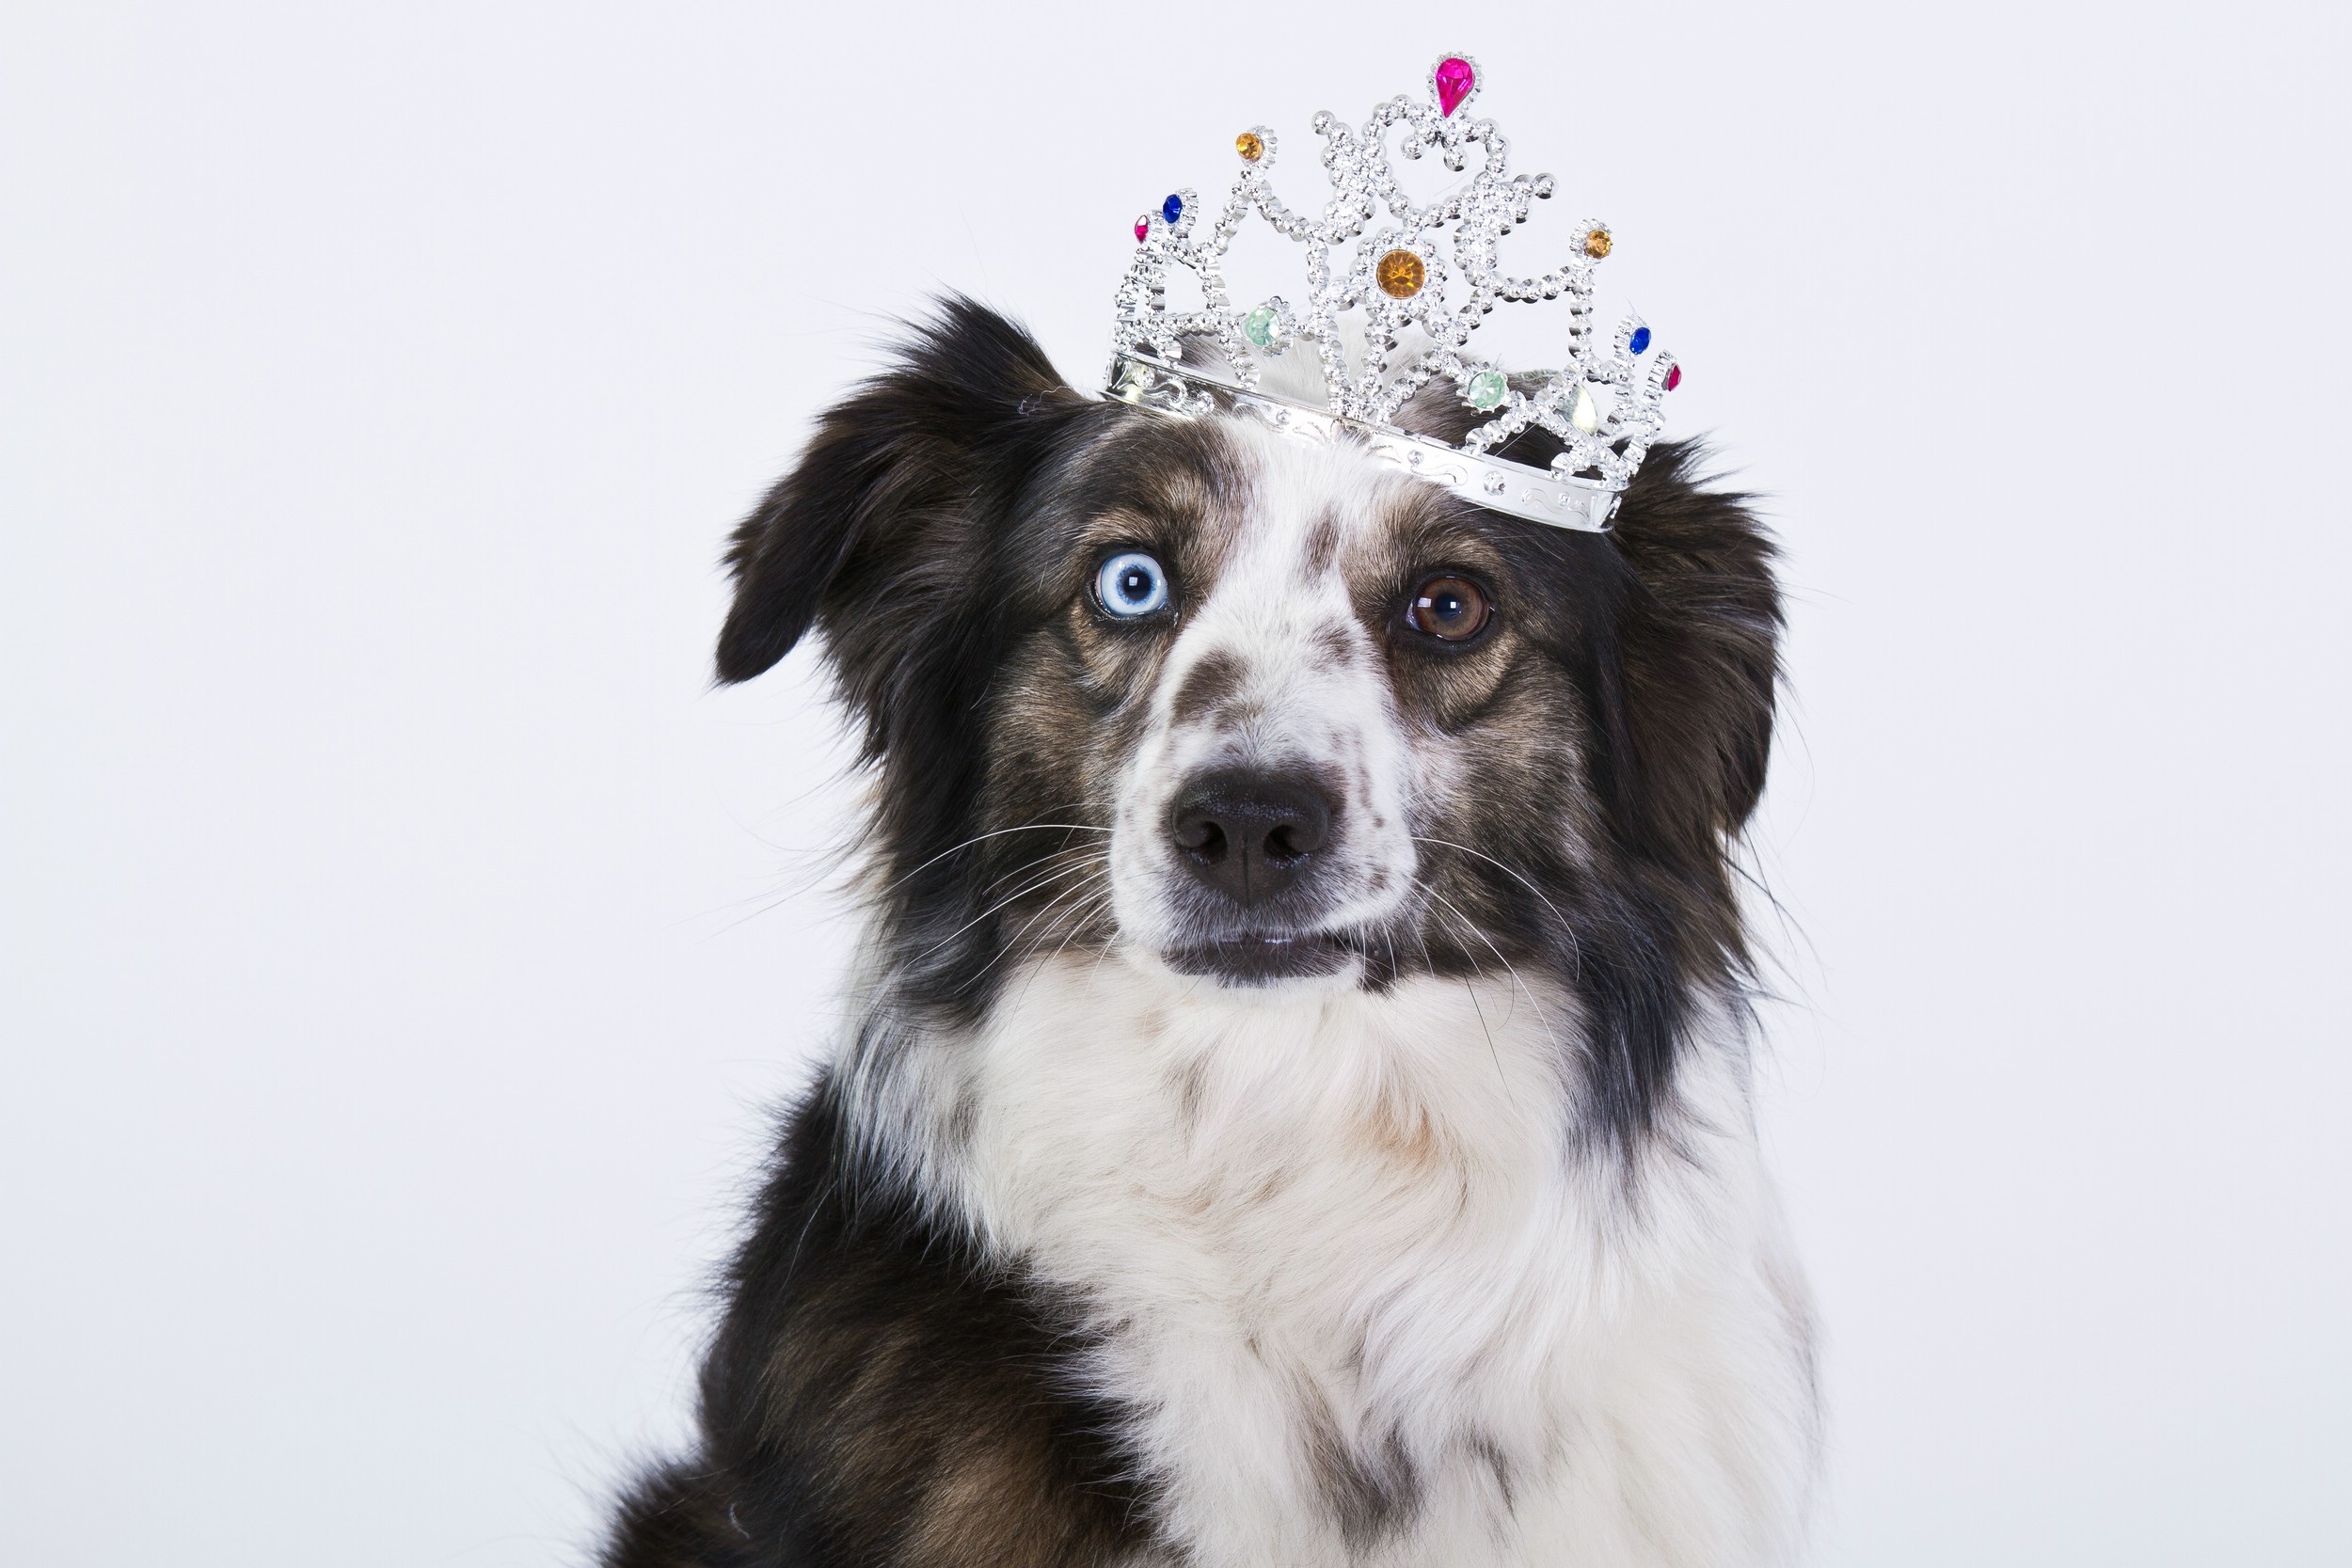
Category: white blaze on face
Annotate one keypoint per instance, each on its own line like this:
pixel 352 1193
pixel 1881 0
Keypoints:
pixel 1301 688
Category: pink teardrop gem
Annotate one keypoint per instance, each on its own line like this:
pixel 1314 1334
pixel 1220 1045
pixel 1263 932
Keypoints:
pixel 1143 226
pixel 1674 377
pixel 1455 80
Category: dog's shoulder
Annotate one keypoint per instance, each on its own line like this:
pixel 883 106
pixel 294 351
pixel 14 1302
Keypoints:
pixel 878 1391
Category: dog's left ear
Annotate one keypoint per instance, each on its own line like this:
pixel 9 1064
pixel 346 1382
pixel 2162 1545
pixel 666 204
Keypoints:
pixel 1699 645
pixel 889 505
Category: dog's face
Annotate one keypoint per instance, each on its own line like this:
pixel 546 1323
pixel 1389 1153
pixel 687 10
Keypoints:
pixel 1266 777
pixel 1261 712
pixel 1298 687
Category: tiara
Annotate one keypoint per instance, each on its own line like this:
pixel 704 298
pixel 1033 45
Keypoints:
pixel 1405 297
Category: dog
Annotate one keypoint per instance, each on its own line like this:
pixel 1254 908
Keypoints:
pixel 1297 1112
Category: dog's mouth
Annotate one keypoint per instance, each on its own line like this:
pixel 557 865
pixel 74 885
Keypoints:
pixel 1260 958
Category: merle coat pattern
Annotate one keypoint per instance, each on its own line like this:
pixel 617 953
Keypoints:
pixel 1398 1206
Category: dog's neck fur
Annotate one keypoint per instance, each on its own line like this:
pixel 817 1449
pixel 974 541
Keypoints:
pixel 1366 1294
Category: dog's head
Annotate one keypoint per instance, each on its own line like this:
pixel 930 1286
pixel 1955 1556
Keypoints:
pixel 1261 710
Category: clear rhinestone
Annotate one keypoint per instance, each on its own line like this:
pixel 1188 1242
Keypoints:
pixel 1586 415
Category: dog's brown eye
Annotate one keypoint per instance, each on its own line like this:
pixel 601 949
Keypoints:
pixel 1451 608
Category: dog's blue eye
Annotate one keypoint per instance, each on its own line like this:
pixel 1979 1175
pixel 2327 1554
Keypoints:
pixel 1130 583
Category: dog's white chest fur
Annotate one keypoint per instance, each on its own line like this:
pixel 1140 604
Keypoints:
pixel 1368 1303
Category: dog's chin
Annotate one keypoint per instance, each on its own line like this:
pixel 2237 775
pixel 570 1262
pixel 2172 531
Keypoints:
pixel 1263 959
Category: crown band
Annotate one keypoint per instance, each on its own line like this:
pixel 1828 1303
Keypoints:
pixel 1508 487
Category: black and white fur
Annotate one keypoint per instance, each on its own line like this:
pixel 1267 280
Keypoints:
pixel 1402 1207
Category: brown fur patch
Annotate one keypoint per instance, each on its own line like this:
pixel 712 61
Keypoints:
pixel 995 1498
pixel 1404 1133
pixel 1191 1087
pixel 1321 545
pixel 1213 680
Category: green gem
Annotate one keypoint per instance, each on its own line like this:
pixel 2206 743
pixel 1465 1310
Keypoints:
pixel 1487 388
pixel 1258 326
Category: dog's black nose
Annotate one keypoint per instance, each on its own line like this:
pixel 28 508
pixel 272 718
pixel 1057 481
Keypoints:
pixel 1247 834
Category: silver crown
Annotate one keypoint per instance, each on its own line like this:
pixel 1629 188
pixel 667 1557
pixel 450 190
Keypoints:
pixel 1405 299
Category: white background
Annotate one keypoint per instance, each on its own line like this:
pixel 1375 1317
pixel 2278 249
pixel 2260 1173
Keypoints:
pixel 403 943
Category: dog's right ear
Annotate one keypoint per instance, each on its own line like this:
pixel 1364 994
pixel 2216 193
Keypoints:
pixel 903 469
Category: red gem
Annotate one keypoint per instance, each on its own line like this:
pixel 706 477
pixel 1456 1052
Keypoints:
pixel 1674 377
pixel 1143 226
pixel 1455 80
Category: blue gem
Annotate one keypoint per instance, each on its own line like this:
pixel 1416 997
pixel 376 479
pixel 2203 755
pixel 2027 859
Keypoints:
pixel 1172 208
pixel 1641 339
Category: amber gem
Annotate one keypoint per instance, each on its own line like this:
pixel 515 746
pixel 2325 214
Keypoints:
pixel 1597 242
pixel 1401 274
pixel 1250 145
